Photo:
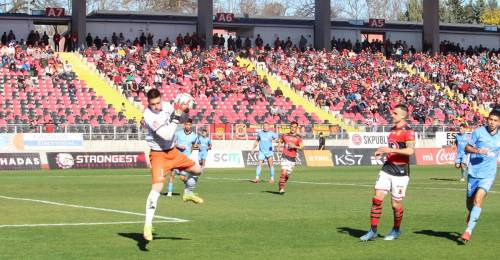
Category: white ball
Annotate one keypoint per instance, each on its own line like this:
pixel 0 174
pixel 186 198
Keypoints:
pixel 184 100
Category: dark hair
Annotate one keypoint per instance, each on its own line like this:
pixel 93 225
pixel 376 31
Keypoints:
pixel 402 107
pixel 464 125
pixel 495 112
pixel 294 123
pixel 153 93
pixel 189 121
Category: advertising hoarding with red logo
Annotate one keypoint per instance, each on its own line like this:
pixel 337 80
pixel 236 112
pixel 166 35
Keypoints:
pixel 97 160
pixel 368 140
pixel 435 156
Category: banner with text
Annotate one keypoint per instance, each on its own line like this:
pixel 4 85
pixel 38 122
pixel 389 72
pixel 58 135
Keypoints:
pixel 252 158
pixel 345 156
pixel 224 159
pixel 20 161
pixel 368 140
pixel 435 156
pixel 11 142
pixel 318 158
pixel 98 160
pixel 53 141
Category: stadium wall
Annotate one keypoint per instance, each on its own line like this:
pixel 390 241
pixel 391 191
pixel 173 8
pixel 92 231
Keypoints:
pixel 20 27
pixel 347 34
pixel 131 30
pixel 269 34
pixel 412 38
pixel 466 39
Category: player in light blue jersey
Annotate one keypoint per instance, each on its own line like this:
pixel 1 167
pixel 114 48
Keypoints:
pixel 203 143
pixel 461 140
pixel 265 142
pixel 484 147
pixel 184 141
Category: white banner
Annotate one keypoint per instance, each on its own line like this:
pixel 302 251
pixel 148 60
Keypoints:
pixel 445 139
pixel 53 141
pixel 368 140
pixel 225 159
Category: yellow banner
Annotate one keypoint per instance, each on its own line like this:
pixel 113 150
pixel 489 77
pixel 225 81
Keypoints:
pixel 318 158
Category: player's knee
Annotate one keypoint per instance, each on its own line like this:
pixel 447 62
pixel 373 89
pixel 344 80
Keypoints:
pixel 194 170
pixel 397 203
pixel 157 186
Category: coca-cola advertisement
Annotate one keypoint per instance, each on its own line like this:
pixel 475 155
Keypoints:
pixel 435 156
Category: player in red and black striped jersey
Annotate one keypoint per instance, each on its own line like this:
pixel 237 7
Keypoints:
pixel 289 144
pixel 395 173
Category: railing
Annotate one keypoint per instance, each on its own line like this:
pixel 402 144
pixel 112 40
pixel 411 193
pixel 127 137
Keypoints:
pixel 216 131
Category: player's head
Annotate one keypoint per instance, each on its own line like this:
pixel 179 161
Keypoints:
pixel 293 127
pixel 204 132
pixel 188 126
pixel 494 120
pixel 266 127
pixel 399 113
pixel 154 100
pixel 463 128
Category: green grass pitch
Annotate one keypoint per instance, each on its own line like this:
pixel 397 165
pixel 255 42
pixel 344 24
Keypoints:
pixel 321 216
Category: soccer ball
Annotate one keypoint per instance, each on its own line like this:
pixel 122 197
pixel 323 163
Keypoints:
pixel 184 100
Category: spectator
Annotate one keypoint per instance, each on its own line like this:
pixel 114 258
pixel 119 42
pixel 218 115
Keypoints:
pixel 321 141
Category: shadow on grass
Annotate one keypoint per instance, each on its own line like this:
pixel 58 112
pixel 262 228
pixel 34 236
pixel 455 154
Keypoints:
pixel 142 243
pixel 453 236
pixel 357 233
pixel 272 192
pixel 443 179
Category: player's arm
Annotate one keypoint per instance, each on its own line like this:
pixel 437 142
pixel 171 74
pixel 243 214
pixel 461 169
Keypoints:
pixel 279 147
pixel 165 131
pixel 470 148
pixel 195 144
pixel 409 150
pixel 256 143
pixel 179 145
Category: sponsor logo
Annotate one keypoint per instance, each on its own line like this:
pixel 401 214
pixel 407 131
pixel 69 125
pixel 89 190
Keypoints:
pixel 96 160
pixel 368 140
pixel 252 158
pixel 357 139
pixel 230 159
pixel 348 158
pixel 435 156
pixel 317 158
pixel 20 161
pixel 65 160
pixel 343 156
pixel 227 157
pixel 376 161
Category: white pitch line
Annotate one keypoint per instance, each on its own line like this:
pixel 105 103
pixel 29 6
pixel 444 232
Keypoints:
pixel 92 208
pixel 348 184
pixel 83 224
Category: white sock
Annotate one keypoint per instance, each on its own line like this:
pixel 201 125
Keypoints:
pixel 151 206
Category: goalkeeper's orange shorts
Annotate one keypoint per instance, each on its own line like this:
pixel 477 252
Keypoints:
pixel 163 162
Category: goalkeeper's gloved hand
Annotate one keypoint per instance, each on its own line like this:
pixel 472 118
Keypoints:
pixel 180 114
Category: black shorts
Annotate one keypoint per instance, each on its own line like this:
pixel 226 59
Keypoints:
pixel 396 169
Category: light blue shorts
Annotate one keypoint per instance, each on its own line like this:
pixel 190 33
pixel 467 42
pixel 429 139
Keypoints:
pixel 473 184
pixel 264 155
pixel 462 159
pixel 202 155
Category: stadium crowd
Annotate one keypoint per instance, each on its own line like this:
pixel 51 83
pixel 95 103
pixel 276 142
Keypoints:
pixel 359 81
